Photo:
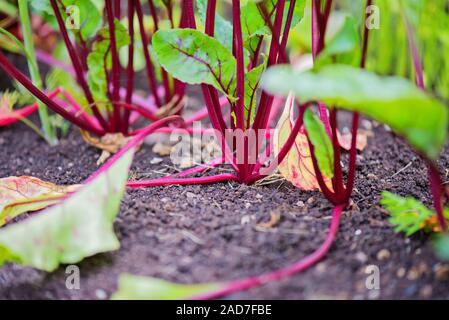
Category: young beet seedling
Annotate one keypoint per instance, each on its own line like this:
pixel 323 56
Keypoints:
pixel 227 59
pixel 94 56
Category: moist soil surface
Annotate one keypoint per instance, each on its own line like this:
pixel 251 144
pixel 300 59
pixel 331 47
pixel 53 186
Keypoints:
pixel 192 234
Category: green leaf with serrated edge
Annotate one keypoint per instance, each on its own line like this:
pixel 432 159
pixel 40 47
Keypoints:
pixel 396 102
pixel 79 227
pixel 343 48
pixel 195 58
pixel 324 151
pixel 131 287
pixel 223 28
pixel 100 59
pixel 408 215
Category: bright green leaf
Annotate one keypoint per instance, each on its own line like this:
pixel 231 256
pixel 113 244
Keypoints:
pixel 100 59
pixel 394 101
pixel 79 227
pixel 195 58
pixel 132 287
pixel 324 151
pixel 344 47
pixel 407 214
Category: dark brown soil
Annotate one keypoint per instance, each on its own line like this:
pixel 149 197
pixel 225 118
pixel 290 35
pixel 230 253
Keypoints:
pixel 206 233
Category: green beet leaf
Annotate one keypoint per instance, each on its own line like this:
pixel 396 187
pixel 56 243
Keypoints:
pixel 324 151
pixel 195 58
pixel 132 287
pixel 79 227
pixel 344 47
pixel 394 101
pixel 100 59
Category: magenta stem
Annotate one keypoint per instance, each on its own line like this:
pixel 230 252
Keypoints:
pixel 135 142
pixel 303 264
pixel 182 181
pixel 149 64
pixel 115 65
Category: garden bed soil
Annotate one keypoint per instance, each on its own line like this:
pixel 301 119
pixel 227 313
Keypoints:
pixel 205 233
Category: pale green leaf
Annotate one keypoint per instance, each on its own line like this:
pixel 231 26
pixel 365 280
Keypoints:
pixel 79 227
pixel 324 151
pixel 195 58
pixel 133 287
pixel 394 101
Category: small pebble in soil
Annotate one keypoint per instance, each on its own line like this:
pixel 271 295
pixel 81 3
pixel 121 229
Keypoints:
pixel 190 195
pixel 165 199
pixel 426 291
pixel 361 257
pixel 441 271
pixel 247 205
pixel 413 274
pixel 259 196
pixel 300 204
pixel 311 200
pixel 321 267
pixel 245 220
pixel 401 272
pixel 371 176
pixel 156 160
pixel 383 254
pixel 358 232
pixel 101 294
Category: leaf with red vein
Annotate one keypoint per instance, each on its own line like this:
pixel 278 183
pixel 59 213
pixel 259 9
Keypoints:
pixel 297 166
pixel 24 194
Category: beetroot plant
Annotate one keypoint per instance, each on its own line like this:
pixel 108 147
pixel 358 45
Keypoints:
pixel 228 59
pixel 94 53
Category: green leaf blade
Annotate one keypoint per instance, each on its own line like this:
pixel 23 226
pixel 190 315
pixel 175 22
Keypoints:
pixel 147 288
pixel 396 102
pixel 80 227
pixel 324 151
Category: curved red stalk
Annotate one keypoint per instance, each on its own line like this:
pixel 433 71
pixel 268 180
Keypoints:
pixel 116 123
pixel 436 183
pixel 12 71
pixel 77 65
pixel 303 264
pixel 135 142
pixel 337 180
pixel 142 111
pixel 182 181
pixel 130 67
pixel 149 63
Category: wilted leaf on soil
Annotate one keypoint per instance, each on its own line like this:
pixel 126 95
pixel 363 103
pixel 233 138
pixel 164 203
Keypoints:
pixel 79 227
pixel 297 166
pixel 24 194
pixel 131 287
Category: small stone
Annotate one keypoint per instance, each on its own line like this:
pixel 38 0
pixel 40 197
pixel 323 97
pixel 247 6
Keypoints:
pixel 426 291
pixel 165 199
pixel 247 205
pixel 367 124
pixel 358 232
pixel 156 160
pixel 245 220
pixel 413 274
pixel 321 267
pixel 300 204
pixel 361 257
pixel 101 294
pixel 27 171
pixel 190 195
pixel 441 271
pixel 401 272
pixel 383 254
pixel 311 200
pixel 371 176
pixel 418 251
pixel 259 196
pixel 70 164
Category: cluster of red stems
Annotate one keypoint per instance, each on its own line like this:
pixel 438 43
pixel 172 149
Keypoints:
pixel 118 120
